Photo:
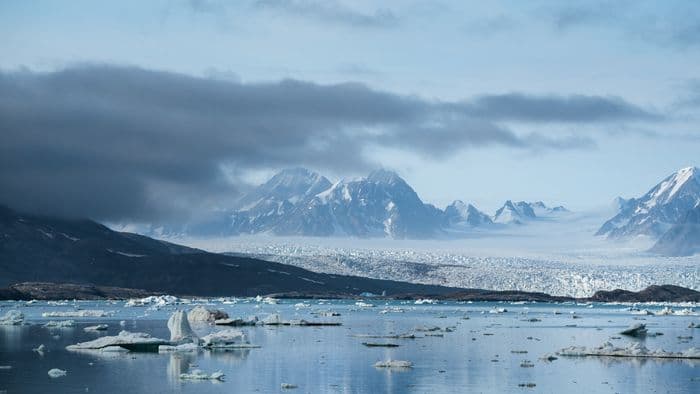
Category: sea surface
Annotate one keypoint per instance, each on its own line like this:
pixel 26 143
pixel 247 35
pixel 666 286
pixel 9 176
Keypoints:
pixel 475 351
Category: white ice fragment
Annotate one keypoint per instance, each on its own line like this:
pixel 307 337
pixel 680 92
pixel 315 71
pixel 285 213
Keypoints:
pixel 154 301
pixel 393 364
pixel 273 320
pixel 185 347
pixel 39 349
pixel 227 339
pixel 99 327
pixel 180 330
pixel 134 340
pixel 200 314
pixel 200 375
pixel 12 318
pixel 60 324
pixel 57 373
pixel 80 313
pixel 634 350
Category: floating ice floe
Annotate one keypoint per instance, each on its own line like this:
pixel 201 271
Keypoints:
pixel 200 375
pixel 39 349
pixel 364 304
pixel 155 301
pixel 393 364
pixel 667 311
pixel 12 318
pixel 424 301
pixel 237 322
pixel 131 341
pixel 184 348
pixel 60 324
pixel 635 350
pixel 273 320
pixel 642 312
pixel 636 330
pixel 200 314
pixel 266 300
pixel 57 373
pixel 227 339
pixel 99 327
pixel 498 310
pixel 80 313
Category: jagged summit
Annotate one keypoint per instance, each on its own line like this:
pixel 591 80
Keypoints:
pixel 660 208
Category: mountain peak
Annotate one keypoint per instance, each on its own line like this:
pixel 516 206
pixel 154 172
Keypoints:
pixel 384 176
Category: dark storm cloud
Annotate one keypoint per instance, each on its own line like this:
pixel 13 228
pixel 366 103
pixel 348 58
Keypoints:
pixel 126 143
pixel 573 108
pixel 331 12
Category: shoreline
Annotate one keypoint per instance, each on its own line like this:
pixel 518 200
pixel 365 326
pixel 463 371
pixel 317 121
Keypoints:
pixel 47 291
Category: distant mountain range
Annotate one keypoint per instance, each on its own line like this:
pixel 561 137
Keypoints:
pixel 667 212
pixel 300 202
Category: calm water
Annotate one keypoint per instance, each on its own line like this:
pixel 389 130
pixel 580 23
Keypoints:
pixel 476 357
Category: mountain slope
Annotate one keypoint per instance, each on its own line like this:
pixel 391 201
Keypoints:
pixel 36 248
pixel 659 209
pixel 683 239
pixel 514 213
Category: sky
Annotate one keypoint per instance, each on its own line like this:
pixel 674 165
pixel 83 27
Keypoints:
pixel 140 111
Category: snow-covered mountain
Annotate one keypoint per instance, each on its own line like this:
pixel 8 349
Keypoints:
pixel 293 185
pixel 514 213
pixel 683 238
pixel 459 214
pixel 660 208
pixel 382 204
pixel 299 202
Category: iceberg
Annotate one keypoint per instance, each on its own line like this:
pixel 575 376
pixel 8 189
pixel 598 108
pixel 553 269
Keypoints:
pixel 12 318
pixel 132 341
pixel 99 327
pixel 57 373
pixel 81 313
pixel 227 339
pixel 634 350
pixel 200 375
pixel 180 330
pixel 635 330
pixel 60 324
pixel 200 314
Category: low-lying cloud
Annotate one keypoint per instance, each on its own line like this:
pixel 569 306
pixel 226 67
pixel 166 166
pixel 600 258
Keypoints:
pixel 123 143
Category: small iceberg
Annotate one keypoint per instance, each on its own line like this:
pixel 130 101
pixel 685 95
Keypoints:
pixel 60 324
pixel 393 364
pixel 155 301
pixel 227 339
pixel 635 330
pixel 237 322
pixel 131 341
pixel 184 348
pixel 633 350
pixel 180 330
pixel 99 327
pixel 39 349
pixel 200 314
pixel 200 375
pixel 57 373
pixel 81 313
pixel 12 318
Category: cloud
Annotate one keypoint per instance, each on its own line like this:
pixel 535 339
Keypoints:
pixel 117 143
pixel 676 26
pixel 330 11
pixel 553 108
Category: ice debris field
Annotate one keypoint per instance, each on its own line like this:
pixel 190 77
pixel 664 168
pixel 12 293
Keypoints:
pixel 264 344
